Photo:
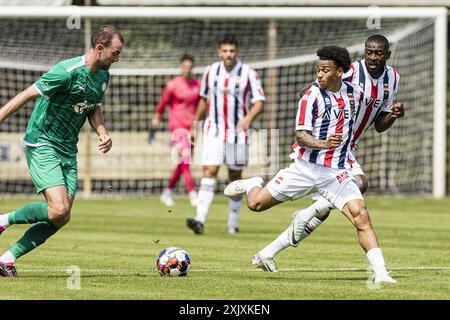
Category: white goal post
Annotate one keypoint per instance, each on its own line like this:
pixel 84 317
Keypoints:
pixel 439 16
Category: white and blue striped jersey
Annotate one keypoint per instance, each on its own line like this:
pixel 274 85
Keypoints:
pixel 229 96
pixel 379 94
pixel 323 113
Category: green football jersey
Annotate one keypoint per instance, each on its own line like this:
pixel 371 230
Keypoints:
pixel 69 92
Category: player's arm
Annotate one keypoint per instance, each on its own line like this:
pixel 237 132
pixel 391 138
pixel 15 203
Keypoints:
pixel 257 101
pixel 386 119
pixel 165 98
pixel 391 112
pixel 97 123
pixel 256 109
pixel 305 139
pixel 29 94
pixel 199 115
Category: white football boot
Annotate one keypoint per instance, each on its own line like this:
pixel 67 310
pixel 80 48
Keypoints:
pixel 238 187
pixel 384 277
pixel 267 264
pixel 166 197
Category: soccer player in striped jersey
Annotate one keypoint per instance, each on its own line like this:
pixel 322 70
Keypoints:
pixel 232 96
pixel 322 160
pixel 379 83
pixel 71 91
pixel 182 93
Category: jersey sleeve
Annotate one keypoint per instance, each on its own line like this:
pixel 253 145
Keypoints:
pixel 204 88
pixel 307 111
pixel 165 98
pixel 57 79
pixel 256 90
pixel 390 102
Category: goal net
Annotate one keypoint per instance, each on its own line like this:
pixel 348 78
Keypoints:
pixel 282 50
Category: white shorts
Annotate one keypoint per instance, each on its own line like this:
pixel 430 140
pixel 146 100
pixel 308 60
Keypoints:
pixel 356 170
pixel 216 152
pixel 302 178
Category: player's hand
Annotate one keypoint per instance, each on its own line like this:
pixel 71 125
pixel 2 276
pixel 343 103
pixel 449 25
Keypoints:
pixel 243 125
pixel 105 143
pixel 155 123
pixel 192 135
pixel 397 110
pixel 333 141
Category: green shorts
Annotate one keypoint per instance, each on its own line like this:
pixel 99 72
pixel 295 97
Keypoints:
pixel 50 168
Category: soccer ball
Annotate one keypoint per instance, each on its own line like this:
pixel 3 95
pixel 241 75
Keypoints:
pixel 174 262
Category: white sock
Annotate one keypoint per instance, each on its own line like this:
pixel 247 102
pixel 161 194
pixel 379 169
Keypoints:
pixel 233 216
pixel 251 183
pixel 376 260
pixel 205 198
pixel 322 205
pixel 310 227
pixel 276 246
pixel 7 258
pixel 193 198
pixel 4 220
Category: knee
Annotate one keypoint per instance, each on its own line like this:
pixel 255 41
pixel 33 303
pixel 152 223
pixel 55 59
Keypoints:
pixel 59 214
pixel 255 206
pixel 361 218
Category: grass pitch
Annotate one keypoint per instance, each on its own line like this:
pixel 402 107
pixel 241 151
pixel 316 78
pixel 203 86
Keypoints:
pixel 114 243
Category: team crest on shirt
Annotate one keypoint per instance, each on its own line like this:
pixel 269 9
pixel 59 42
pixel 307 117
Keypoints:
pixel 104 86
pixel 341 177
pixel 279 180
pixel 351 99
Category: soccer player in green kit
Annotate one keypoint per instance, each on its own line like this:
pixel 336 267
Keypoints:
pixel 71 91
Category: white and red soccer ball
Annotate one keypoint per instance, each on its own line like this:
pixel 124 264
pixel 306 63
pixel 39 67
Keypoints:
pixel 174 262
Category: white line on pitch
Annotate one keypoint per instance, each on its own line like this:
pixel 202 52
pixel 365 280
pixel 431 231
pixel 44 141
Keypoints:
pixel 129 272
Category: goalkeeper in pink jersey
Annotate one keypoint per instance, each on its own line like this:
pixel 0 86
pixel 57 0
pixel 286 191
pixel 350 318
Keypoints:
pixel 182 94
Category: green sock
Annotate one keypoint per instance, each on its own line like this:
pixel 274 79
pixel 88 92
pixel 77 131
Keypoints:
pixel 33 237
pixel 31 213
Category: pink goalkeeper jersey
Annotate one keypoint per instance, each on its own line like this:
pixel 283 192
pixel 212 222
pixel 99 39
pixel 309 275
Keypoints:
pixel 183 96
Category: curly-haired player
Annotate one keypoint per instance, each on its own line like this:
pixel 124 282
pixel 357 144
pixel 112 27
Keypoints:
pixel 324 131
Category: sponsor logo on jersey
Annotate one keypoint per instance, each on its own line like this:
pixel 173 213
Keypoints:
pixel 336 113
pixel 81 106
pixel 341 177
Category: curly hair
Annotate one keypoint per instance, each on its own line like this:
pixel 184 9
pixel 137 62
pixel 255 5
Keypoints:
pixel 339 55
